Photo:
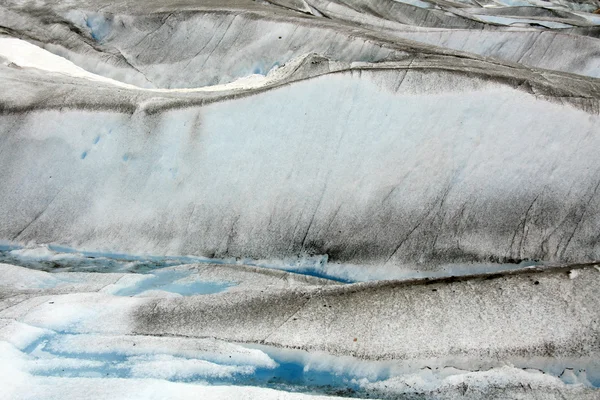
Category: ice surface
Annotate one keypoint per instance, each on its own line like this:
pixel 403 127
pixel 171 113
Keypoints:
pixel 423 324
pixel 65 338
pixel 62 259
pixel 299 198
pixel 24 54
pixel 174 282
pixel 21 335
pixel 59 358
pixel 13 276
pixel 417 3
pixel 516 21
pixel 365 170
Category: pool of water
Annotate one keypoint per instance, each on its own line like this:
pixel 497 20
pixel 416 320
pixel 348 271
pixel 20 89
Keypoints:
pixel 285 374
pixel 286 369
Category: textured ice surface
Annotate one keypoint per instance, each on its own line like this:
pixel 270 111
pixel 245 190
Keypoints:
pixel 62 259
pixel 191 191
pixel 167 282
pixel 60 342
pixel 361 183
pixel 177 282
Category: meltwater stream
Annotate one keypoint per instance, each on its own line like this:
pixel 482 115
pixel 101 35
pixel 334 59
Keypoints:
pixel 91 356
pixel 53 258
pixel 69 353
pixel 211 362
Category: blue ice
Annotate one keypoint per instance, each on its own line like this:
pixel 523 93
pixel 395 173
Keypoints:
pixel 99 26
pixel 287 375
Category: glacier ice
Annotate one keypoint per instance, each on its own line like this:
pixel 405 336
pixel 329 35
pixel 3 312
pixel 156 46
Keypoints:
pixel 60 339
pixel 348 179
pixel 299 199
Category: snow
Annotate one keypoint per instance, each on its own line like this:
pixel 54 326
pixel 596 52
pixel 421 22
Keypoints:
pixel 192 191
pixel 125 282
pixel 206 349
pixel 61 341
pixel 18 278
pixel 532 47
pixel 78 312
pixel 169 367
pixel 411 322
pixel 137 138
pixel 177 282
pixel 25 54
pixel 450 379
pixel 141 284
pixel 223 46
pixel 21 335
pixel 52 388
pixel 416 3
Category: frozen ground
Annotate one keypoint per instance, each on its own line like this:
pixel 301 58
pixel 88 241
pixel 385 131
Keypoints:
pixel 295 199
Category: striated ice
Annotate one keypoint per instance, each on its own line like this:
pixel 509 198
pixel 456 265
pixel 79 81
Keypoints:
pixel 299 199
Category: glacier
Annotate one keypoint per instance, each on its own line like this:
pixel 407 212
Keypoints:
pixel 299 199
pixel 55 336
pixel 492 177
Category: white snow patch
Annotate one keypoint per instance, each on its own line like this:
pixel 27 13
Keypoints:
pixel 521 21
pixel 573 274
pixel 82 312
pixel 25 54
pixel 52 388
pixel 126 281
pixel 448 379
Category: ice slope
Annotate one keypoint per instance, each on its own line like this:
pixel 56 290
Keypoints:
pixel 34 372
pixel 541 49
pixel 401 164
pixel 187 45
pixel 191 49
pixel 52 258
pixel 530 333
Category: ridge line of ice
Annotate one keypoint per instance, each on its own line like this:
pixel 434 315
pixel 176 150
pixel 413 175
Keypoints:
pixel 28 55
